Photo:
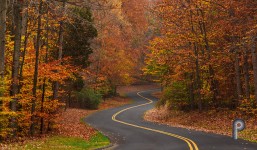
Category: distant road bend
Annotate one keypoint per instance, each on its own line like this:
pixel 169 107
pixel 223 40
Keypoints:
pixel 127 130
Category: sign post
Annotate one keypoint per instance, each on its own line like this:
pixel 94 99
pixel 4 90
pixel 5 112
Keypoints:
pixel 238 125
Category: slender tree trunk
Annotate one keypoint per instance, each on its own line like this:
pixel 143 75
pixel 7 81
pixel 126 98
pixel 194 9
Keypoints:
pixel 14 90
pixel 44 84
pixel 35 80
pixel 42 106
pixel 17 8
pixel 3 10
pixel 197 68
pixel 246 75
pixel 198 79
pixel 60 41
pixel 68 101
pixel 24 49
pixel 254 61
pixel 191 90
pixel 238 76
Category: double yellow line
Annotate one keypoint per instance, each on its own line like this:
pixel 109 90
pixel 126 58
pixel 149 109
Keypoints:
pixel 191 144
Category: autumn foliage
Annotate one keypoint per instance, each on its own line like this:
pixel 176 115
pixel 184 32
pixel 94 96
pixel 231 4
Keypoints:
pixel 67 53
pixel 60 54
pixel 205 53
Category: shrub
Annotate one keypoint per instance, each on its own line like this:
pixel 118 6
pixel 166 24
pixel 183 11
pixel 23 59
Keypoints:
pixel 106 89
pixel 88 98
pixel 175 96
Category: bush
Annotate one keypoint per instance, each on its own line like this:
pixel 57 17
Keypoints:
pixel 88 98
pixel 106 89
pixel 175 96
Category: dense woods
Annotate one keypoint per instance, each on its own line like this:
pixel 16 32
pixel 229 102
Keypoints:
pixel 74 53
pixel 205 54
pixel 59 54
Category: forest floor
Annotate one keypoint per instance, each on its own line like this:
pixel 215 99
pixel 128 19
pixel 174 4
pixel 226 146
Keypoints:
pixel 217 121
pixel 72 133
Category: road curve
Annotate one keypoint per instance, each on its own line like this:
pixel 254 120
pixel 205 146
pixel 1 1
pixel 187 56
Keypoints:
pixel 128 131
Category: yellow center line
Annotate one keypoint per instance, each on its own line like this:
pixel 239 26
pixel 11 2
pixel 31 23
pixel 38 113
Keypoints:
pixel 191 144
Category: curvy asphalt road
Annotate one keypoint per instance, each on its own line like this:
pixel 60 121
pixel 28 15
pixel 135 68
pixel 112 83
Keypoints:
pixel 127 130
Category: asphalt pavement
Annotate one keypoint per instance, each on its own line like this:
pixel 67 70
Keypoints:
pixel 127 130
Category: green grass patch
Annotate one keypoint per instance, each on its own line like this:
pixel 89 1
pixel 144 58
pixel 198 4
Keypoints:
pixel 66 143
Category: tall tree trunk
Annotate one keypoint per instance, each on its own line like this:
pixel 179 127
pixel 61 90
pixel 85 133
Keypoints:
pixel 44 84
pixel 26 36
pixel 59 57
pixel 198 79
pixel 17 8
pixel 254 61
pixel 14 90
pixel 34 90
pixel 3 10
pixel 238 76
pixel 246 74
pixel 197 68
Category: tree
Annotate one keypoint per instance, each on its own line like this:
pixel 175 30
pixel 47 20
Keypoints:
pixel 35 79
pixel 17 15
pixel 246 72
pixel 60 52
pixel 78 35
pixel 254 61
pixel 3 10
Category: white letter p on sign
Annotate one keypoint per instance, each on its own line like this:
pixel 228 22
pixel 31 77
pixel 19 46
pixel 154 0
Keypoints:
pixel 238 125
